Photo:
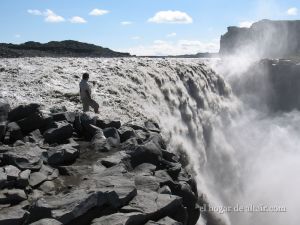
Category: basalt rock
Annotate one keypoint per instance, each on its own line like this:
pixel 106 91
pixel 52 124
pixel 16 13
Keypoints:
pixel 103 173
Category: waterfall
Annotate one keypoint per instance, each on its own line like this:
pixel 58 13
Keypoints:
pixel 239 152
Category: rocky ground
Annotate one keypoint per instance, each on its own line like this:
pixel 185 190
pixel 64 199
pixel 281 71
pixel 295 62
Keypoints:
pixel 69 168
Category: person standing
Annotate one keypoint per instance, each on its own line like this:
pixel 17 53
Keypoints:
pixel 85 95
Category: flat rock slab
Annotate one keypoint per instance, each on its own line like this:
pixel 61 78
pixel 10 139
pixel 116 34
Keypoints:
pixel 13 196
pixel 120 219
pixel 47 222
pixel 164 221
pixel 13 215
pixel 37 178
pixel 22 111
pixel 12 172
pixel 63 132
pixel 28 156
pixel 153 205
pixel 62 155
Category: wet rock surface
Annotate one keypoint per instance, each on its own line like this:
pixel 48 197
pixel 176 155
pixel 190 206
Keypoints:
pixel 80 169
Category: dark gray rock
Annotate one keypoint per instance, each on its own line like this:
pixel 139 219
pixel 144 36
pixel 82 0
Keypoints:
pixel 164 221
pixel 47 222
pixel 47 187
pixel 112 136
pixel 149 152
pixel 126 133
pixel 61 155
pixel 34 137
pixel 4 109
pixel 22 112
pixel 13 196
pixel 114 159
pixel 145 168
pixel 146 182
pixel 155 206
pixel 3 178
pixel 108 123
pixel 13 133
pixel 60 134
pixel 165 190
pixel 12 172
pixel 67 207
pixel 3 126
pixel 64 116
pixel 37 178
pixel 152 126
pixel 33 122
pixel 121 219
pixel 23 180
pixel 14 215
pixel 99 142
pixel 28 156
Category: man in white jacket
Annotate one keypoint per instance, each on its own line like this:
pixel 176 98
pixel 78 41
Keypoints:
pixel 85 95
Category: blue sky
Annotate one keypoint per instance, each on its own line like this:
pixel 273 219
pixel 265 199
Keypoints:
pixel 150 27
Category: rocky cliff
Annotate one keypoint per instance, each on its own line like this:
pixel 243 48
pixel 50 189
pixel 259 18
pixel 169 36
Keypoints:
pixel 272 84
pixel 71 168
pixel 67 48
pixel 264 39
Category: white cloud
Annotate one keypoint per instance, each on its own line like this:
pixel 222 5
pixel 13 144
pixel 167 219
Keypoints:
pixel 171 35
pixel 126 23
pixel 35 12
pixel 181 47
pixel 17 36
pixel 171 17
pixel 98 12
pixel 136 38
pixel 292 11
pixel 77 19
pixel 246 24
pixel 51 17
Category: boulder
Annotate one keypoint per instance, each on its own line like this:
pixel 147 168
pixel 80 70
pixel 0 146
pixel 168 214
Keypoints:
pixel 14 215
pixel 155 206
pixel 126 133
pixel 64 116
pixel 4 110
pixel 152 126
pixel 60 134
pixel 36 179
pixel 114 159
pixel 13 133
pixel 22 112
pixel 23 180
pixel 12 197
pixel 61 155
pixel 3 178
pixel 47 187
pixel 33 122
pixel 3 126
pixel 12 172
pixel 108 123
pixel 149 152
pixel 28 156
pixel 67 207
pixel 120 219
pixel 145 168
pixel 146 183
pixel 47 222
pixel 99 142
pixel 164 221
pixel 34 137
pixel 112 136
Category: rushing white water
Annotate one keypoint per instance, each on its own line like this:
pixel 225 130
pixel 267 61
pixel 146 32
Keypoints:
pixel 240 154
